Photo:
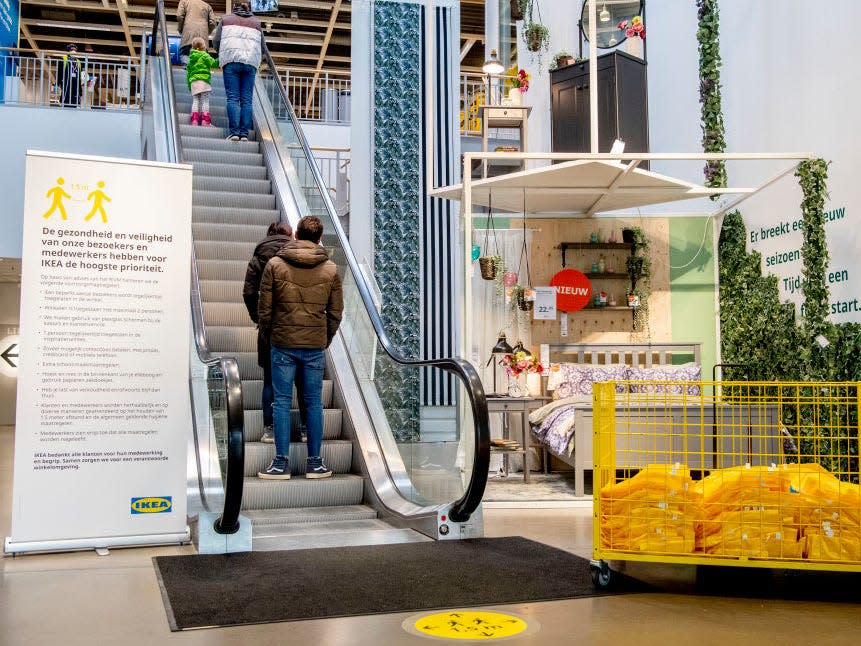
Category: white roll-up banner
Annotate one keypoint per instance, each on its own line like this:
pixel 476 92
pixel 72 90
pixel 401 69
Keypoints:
pixel 103 412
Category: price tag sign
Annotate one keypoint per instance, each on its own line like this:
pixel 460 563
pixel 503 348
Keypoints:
pixel 545 303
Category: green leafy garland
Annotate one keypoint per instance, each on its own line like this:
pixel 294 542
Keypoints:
pixel 711 110
pixel 812 175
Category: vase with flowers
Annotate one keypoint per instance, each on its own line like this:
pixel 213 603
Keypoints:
pixel 520 363
pixel 635 34
pixel 517 82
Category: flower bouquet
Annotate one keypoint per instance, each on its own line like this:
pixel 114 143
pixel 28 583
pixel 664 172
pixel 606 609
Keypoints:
pixel 518 363
pixel 634 28
pixel 517 79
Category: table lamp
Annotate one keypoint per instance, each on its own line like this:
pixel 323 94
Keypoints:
pixel 501 347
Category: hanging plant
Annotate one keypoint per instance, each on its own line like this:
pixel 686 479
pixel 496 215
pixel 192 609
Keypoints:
pixel 492 266
pixel 518 8
pixel 536 36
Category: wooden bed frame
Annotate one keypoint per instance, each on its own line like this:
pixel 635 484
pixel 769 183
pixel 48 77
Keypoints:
pixel 643 355
pixel 664 420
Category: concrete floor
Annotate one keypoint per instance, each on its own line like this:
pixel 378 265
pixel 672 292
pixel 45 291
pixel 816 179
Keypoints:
pixel 82 598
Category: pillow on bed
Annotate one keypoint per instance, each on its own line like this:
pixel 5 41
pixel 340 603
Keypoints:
pixel 577 378
pixel 680 372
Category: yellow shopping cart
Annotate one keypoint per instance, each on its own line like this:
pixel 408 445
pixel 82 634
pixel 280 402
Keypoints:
pixel 726 473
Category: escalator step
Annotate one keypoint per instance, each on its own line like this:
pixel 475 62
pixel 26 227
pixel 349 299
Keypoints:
pixel 233 251
pixel 221 157
pixel 233 200
pixel 259 218
pixel 337 454
pixel 339 490
pixel 228 232
pixel 221 291
pixel 204 169
pixel 210 269
pixel 233 184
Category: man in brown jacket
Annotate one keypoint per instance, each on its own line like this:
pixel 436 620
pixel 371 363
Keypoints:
pixel 194 19
pixel 299 310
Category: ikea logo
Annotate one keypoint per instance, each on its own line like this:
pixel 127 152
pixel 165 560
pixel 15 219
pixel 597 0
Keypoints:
pixel 152 505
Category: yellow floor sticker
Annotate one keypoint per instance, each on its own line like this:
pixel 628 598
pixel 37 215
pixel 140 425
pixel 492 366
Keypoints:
pixel 468 624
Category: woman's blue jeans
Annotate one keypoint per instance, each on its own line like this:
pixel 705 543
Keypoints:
pixel 239 88
pixel 309 365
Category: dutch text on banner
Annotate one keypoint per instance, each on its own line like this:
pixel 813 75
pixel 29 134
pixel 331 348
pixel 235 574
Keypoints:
pixel 103 410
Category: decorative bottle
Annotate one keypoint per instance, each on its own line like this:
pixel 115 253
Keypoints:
pixel 602 265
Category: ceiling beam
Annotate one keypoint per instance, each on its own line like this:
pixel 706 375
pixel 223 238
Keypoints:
pixel 126 30
pixel 29 37
pixel 466 47
pixel 323 49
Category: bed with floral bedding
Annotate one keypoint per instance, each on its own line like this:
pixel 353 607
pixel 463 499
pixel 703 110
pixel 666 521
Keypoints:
pixel 559 425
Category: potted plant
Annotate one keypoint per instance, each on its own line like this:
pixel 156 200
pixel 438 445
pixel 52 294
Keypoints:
pixel 562 59
pixel 492 267
pixel 518 298
pixel 536 36
pixel 518 9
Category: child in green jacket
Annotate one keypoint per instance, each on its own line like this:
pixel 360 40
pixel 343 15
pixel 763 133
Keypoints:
pixel 198 76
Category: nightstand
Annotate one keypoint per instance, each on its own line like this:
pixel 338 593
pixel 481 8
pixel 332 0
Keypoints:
pixel 519 406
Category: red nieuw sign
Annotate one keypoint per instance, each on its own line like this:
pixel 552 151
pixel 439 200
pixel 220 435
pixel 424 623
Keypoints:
pixel 573 290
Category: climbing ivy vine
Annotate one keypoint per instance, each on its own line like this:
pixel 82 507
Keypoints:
pixel 714 140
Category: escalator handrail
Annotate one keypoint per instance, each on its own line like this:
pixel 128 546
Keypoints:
pixel 228 521
pixel 461 509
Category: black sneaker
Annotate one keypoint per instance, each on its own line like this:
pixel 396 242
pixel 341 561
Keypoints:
pixel 278 469
pixel 316 469
pixel 268 436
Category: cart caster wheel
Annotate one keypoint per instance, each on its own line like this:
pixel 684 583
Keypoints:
pixel 602 576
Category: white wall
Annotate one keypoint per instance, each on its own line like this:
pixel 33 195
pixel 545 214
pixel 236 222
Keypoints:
pixel 789 82
pixel 326 135
pixel 91 132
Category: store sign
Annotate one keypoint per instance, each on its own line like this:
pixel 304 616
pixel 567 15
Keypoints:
pixel 9 353
pixel 8 38
pixel 103 412
pixel 573 290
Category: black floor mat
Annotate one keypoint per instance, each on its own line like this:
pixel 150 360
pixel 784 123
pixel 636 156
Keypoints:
pixel 260 587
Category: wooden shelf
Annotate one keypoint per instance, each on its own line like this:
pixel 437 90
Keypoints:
pixel 594 245
pixel 621 246
pixel 608 275
pixel 614 308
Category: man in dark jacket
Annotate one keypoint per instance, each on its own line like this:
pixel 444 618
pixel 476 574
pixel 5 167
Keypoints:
pixel 299 311
pixel 277 236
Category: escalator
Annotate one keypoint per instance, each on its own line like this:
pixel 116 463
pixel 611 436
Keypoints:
pixel 404 470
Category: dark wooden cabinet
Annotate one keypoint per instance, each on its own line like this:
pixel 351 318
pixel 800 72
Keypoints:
pixel 623 111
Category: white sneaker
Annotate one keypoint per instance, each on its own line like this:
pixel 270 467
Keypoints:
pixel 268 436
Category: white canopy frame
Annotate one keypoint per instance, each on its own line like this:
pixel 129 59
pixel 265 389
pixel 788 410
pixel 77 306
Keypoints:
pixel 616 180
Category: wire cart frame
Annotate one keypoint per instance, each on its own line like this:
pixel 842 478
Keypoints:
pixel 743 474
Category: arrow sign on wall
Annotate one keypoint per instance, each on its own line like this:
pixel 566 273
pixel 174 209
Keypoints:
pixel 10 355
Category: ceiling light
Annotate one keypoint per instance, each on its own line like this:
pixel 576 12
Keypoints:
pixel 492 65
pixel 604 16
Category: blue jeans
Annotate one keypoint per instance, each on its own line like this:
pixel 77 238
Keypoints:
pixel 268 399
pixel 239 87
pixel 308 365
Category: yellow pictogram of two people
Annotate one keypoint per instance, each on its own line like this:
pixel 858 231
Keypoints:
pixel 57 195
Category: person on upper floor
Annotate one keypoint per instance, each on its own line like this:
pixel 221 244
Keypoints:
pixel 70 77
pixel 239 41
pixel 194 19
